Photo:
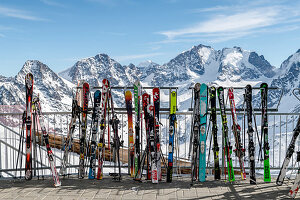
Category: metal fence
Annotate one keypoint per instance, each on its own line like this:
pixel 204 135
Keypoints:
pixel 280 131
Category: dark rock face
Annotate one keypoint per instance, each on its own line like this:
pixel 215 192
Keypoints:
pixel 261 64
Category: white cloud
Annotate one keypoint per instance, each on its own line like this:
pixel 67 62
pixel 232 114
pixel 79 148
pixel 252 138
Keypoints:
pixel 211 9
pixel 136 56
pixel 20 14
pixel 236 21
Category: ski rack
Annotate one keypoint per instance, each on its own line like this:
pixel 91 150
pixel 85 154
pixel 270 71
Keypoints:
pixel 296 89
pixel 143 88
pixel 253 88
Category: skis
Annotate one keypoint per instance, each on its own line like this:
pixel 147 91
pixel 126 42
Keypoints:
pixel 212 95
pixel 202 133
pixel 251 147
pixel 237 134
pixel 228 148
pixel 138 177
pixel 146 102
pixel 137 95
pixel 116 144
pixel 101 144
pixel 295 187
pixel 128 101
pixel 153 154
pixel 264 130
pixel 29 91
pixel 172 130
pixel 68 142
pixel 289 154
pixel 85 101
pixel 95 120
pixel 194 140
pixel 156 103
pixel 37 107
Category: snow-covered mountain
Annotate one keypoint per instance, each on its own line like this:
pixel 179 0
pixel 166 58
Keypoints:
pixel 146 64
pixel 288 79
pixel 101 66
pixel 226 67
pixel 55 93
pixel 204 64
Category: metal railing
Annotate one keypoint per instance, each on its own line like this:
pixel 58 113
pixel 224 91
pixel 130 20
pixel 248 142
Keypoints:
pixel 280 130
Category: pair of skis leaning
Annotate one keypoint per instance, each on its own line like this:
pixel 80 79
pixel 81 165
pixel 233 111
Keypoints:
pixel 79 106
pixel 152 154
pixel 198 134
pixel 33 105
pixel 99 118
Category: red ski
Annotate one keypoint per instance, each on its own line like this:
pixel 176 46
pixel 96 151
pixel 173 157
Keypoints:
pixel 101 144
pixel 237 134
pixel 156 103
pixel 29 91
pixel 146 102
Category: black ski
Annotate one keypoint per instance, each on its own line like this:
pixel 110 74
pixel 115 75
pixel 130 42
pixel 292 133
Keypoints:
pixel 251 147
pixel 264 130
pixel 194 140
pixel 228 147
pixel 212 95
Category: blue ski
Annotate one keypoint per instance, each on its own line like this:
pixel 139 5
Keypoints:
pixel 202 133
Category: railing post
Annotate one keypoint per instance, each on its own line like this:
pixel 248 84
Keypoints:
pixel 0 158
pixel 33 144
pixel 274 126
pixel 6 153
pixel 279 139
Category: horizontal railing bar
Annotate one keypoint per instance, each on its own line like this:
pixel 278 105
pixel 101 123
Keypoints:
pixel 240 88
pixel 125 166
pixel 241 112
pixel 131 87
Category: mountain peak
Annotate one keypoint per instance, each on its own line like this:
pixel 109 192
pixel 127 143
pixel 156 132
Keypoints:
pixel 238 48
pixel 36 67
pixel 146 64
pixel 202 45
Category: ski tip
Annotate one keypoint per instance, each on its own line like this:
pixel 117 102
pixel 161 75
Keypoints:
pixel 279 183
pixel 248 87
pixel 137 83
pixel 220 88
pixel 137 179
pixel 252 182
pixel 264 85
pixel 57 184
pixel 197 86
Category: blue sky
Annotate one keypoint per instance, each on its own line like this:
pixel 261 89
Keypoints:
pixel 59 33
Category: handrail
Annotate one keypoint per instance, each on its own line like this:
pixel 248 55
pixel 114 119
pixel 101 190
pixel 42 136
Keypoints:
pixel 296 89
